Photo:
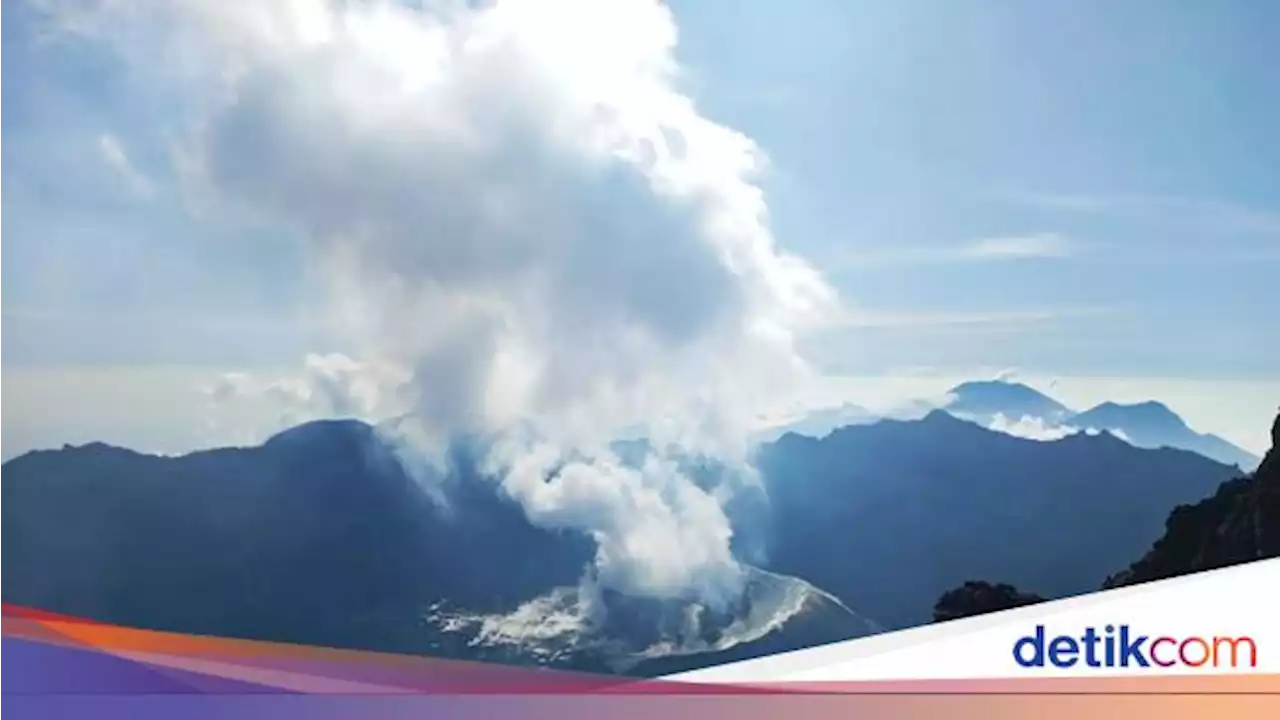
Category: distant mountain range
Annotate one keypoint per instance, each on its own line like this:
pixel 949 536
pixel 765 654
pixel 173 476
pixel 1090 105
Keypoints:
pixel 999 404
pixel 1147 424
pixel 319 536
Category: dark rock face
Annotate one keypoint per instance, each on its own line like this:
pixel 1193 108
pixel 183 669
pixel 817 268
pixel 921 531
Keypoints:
pixel 978 598
pixel 1237 524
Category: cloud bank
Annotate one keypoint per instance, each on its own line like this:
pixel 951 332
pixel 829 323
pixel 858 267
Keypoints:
pixel 1037 246
pixel 326 386
pixel 1037 428
pixel 514 204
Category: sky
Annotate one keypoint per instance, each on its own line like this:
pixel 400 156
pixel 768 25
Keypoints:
pixel 1086 192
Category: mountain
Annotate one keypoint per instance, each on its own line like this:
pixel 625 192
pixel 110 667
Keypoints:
pixel 1147 424
pixel 821 422
pixel 982 400
pixel 888 516
pixel 319 536
pixel 1238 523
pixel 1152 424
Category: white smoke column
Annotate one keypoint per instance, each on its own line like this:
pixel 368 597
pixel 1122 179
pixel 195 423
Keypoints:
pixel 514 201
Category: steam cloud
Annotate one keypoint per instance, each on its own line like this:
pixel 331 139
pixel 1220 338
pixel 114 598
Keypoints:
pixel 515 204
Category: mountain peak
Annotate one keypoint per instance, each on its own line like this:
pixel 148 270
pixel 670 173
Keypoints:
pixel 942 417
pixel 1152 424
pixel 1150 414
pixel 322 430
pixel 1006 387
pixel 1146 406
pixel 1000 397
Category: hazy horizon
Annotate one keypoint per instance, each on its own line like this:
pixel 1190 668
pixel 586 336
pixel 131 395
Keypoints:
pixel 1240 412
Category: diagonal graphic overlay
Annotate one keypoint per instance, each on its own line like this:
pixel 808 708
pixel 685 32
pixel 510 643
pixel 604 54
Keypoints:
pixel 982 647
pixel 185 663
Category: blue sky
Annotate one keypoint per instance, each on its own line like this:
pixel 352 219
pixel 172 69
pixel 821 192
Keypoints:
pixel 1071 188
pixel 1141 135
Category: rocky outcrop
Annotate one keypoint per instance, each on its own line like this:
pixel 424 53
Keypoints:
pixel 1239 523
pixel 977 598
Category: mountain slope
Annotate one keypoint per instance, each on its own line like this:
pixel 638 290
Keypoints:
pixel 888 516
pixel 1238 523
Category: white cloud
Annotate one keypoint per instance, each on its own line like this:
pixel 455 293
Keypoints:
pixel 1041 246
pixel 515 205
pixel 1031 428
pixel 1038 428
pixel 117 158
pixel 1007 375
pixel 1044 245
pixel 327 386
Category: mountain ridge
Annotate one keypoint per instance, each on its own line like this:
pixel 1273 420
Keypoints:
pixel 1238 523
pixel 972 497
